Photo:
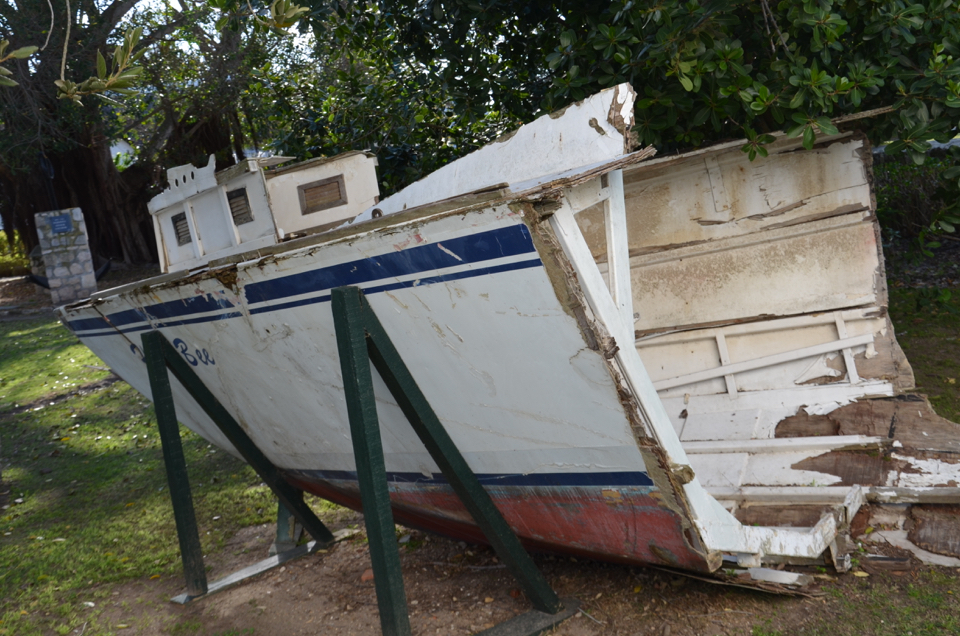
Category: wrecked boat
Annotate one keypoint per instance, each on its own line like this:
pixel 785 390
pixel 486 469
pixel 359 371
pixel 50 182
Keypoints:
pixel 677 360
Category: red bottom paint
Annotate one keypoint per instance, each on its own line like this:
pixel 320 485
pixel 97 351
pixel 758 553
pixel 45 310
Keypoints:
pixel 623 524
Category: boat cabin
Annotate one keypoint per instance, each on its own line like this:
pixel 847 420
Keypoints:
pixel 205 215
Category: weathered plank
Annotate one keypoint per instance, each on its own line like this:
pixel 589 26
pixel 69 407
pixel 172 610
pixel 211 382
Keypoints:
pixel 852 467
pixel 792 516
pixel 937 529
pixel 725 194
pixel 796 270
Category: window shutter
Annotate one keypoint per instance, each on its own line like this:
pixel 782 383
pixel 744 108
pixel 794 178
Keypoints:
pixel 240 206
pixel 322 195
pixel 181 228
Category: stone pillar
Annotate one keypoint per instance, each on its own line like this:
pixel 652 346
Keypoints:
pixel 66 255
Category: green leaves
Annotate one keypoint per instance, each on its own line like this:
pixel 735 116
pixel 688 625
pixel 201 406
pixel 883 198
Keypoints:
pixel 282 14
pixel 18 54
pixel 755 144
pixel 101 66
pixel 121 77
pixel 23 52
pixel 807 125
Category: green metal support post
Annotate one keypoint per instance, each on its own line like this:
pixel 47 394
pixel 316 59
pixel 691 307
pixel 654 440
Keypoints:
pixel 361 339
pixel 176 467
pixel 368 452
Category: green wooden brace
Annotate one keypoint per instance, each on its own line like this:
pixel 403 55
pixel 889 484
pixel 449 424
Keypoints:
pixel 368 452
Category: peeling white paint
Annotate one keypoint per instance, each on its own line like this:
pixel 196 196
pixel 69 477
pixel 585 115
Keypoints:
pixel 818 369
pixel 931 472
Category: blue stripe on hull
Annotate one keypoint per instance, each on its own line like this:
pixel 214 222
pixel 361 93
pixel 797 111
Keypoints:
pixel 475 248
pixel 504 242
pixel 612 480
pixel 471 273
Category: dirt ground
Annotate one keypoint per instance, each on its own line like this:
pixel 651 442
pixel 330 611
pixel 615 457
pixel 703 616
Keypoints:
pixel 455 588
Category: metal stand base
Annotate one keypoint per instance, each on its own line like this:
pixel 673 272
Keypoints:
pixel 260 567
pixel 533 622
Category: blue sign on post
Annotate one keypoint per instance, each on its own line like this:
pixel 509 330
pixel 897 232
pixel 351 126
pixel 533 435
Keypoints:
pixel 61 224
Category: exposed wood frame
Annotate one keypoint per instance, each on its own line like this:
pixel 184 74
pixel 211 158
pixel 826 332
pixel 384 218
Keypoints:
pixel 765 361
pixel 852 374
pixel 786 444
pixel 760 325
pixel 730 380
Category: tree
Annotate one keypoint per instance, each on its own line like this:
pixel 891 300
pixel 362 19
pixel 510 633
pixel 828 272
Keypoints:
pixel 54 153
pixel 56 128
pixel 367 95
pixel 704 71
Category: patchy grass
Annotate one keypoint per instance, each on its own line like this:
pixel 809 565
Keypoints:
pixel 41 358
pixel 88 503
pixel 923 605
pixel 928 330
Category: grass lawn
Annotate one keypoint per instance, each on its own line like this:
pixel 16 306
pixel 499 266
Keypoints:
pixel 929 333
pixel 88 504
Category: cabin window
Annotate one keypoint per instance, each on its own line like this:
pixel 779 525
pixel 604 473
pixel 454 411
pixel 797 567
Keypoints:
pixel 181 228
pixel 323 194
pixel 240 206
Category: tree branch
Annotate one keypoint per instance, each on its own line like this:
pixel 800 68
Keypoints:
pixel 159 33
pixel 112 15
pixel 50 31
pixel 66 44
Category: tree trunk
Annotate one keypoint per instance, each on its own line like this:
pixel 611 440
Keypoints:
pixel 118 224
pixel 114 203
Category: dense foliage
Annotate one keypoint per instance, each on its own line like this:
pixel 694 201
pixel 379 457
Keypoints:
pixel 706 71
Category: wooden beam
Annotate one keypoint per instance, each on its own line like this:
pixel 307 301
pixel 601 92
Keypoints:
pixel 618 247
pixel 786 444
pixel 765 361
pixel 730 380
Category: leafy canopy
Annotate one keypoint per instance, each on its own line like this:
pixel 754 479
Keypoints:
pixel 707 70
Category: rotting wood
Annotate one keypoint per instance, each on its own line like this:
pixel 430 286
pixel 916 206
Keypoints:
pixel 908 419
pixel 936 529
pixel 805 425
pixel 792 516
pixel 854 468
